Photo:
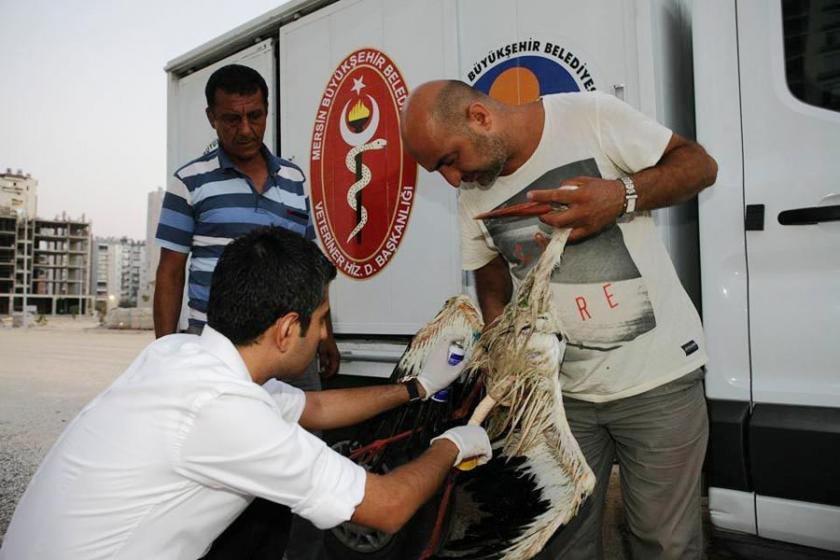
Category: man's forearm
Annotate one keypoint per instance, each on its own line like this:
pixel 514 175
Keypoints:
pixel 336 408
pixel 169 292
pixel 683 171
pixel 493 288
pixel 392 499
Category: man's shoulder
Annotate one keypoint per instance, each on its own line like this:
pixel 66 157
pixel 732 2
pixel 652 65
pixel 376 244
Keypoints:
pixel 573 98
pixel 205 163
pixel 286 169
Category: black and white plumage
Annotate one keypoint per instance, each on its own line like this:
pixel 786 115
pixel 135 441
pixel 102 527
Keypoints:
pixel 538 478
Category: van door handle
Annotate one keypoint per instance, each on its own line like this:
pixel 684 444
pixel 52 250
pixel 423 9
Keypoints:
pixel 809 216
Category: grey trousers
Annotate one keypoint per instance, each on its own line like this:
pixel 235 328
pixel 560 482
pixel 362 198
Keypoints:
pixel 659 438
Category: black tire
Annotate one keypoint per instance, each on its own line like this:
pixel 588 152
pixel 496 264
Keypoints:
pixel 407 544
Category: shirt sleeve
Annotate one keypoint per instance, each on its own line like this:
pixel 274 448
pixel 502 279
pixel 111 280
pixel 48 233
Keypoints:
pixel 290 400
pixel 176 225
pixel 475 251
pixel 244 444
pixel 632 140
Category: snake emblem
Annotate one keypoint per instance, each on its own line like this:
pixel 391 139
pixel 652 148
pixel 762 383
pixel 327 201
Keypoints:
pixel 350 162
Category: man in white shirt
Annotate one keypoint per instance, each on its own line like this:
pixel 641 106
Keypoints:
pixel 165 458
pixel 631 376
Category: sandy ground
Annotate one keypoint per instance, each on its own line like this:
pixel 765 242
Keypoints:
pixel 48 373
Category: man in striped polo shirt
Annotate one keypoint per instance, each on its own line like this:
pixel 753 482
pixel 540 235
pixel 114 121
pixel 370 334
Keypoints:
pixel 225 194
pixel 218 197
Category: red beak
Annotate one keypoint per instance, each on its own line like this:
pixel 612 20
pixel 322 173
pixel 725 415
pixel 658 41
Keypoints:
pixel 517 210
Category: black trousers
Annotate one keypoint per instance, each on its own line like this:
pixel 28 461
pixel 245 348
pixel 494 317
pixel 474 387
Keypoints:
pixel 259 533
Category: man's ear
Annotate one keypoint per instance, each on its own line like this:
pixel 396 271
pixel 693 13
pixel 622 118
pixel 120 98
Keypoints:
pixel 210 118
pixel 478 116
pixel 287 327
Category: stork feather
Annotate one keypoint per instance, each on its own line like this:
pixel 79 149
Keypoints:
pixel 520 354
pixel 457 320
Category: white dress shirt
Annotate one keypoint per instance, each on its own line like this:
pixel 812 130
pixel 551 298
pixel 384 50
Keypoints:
pixel 169 455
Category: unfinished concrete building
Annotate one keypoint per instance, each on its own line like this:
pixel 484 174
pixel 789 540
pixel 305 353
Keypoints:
pixel 44 264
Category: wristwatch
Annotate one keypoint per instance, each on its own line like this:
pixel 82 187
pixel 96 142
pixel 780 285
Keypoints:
pixel 413 391
pixel 630 196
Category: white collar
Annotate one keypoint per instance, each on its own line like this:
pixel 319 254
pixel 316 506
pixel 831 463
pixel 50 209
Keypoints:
pixel 221 347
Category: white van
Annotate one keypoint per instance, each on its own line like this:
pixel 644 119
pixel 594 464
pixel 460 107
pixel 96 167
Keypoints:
pixel 761 80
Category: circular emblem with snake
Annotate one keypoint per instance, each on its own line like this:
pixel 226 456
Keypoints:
pixel 363 181
pixel 355 188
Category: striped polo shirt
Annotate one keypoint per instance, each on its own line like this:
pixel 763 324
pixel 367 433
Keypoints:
pixel 210 202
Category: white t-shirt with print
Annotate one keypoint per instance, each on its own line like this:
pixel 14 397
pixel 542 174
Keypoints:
pixel 630 324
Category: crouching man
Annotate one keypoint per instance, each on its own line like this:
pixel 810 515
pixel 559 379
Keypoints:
pixel 169 455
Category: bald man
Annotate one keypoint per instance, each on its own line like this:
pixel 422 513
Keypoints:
pixel 632 372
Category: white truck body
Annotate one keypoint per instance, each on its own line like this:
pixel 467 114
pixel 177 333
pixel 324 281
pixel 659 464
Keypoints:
pixel 770 301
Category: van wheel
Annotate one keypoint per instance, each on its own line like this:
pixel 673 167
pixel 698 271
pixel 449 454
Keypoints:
pixel 349 541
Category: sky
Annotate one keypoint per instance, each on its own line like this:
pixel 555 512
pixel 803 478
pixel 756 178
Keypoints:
pixel 83 97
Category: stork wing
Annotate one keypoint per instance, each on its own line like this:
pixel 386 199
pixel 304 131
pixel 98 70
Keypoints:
pixel 510 507
pixel 458 320
pixel 538 478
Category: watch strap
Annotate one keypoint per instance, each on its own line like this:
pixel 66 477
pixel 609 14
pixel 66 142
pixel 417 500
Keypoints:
pixel 630 195
pixel 413 391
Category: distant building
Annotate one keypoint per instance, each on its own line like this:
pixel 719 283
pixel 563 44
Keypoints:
pixel 19 192
pixel 106 267
pixel 44 264
pixel 149 270
pixel 117 264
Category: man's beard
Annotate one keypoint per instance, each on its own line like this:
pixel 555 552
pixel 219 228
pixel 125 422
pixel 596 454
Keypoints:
pixel 494 148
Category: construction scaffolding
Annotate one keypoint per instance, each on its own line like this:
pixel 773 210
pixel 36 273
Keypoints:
pixel 45 265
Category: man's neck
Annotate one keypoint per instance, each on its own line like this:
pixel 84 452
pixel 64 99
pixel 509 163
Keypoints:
pixel 524 124
pixel 255 167
pixel 255 163
pixel 252 356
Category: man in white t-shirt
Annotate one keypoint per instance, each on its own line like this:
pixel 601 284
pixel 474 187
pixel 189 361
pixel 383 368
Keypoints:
pixel 632 377
pixel 170 454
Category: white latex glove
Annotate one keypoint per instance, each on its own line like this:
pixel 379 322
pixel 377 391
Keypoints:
pixel 472 442
pixel 437 374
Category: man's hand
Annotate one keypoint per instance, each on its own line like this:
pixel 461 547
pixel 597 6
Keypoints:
pixel 329 357
pixel 592 204
pixel 437 374
pixel 471 441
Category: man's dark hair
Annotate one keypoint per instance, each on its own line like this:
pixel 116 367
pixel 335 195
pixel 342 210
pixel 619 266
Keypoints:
pixel 262 276
pixel 235 78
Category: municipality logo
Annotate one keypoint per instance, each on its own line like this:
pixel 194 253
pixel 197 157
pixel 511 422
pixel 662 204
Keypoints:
pixel 522 71
pixel 363 181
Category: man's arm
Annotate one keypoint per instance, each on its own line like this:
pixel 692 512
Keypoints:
pixel 684 170
pixel 169 291
pixel 494 288
pixel 336 408
pixel 324 410
pixel 392 499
